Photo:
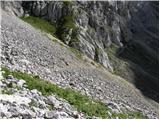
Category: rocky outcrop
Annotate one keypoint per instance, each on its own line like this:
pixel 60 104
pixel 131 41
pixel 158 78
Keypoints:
pixel 17 101
pixel 15 7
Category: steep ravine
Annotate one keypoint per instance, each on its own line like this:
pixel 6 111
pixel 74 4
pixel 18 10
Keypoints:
pixel 26 49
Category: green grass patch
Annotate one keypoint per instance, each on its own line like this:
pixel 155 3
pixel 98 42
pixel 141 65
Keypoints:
pixel 51 107
pixel 67 26
pixel 97 51
pixel 120 67
pixel 76 52
pixel 68 22
pixel 7 91
pixel 129 115
pixel 81 102
pixel 41 24
pixel 112 50
pixel 67 2
pixel 33 103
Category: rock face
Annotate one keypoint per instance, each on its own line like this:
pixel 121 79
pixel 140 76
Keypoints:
pixel 13 7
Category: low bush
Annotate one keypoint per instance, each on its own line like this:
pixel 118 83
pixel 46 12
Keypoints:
pixel 41 24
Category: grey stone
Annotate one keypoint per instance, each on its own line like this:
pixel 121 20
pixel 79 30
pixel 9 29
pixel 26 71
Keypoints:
pixel 53 101
pixel 26 116
pixel 51 115
pixel 114 107
pixel 13 7
pixel 2 85
pixel 20 83
pixel 62 115
pixel 56 115
pixel 34 91
pixel 76 115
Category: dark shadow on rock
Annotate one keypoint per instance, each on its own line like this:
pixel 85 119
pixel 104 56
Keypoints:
pixel 143 49
pixel 146 77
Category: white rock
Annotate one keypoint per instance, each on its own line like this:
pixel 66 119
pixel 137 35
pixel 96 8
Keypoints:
pixel 56 115
pixel 2 85
pixel 76 115
pixel 50 115
pixel 1 76
pixel 15 98
pixel 20 83
pixel 39 112
pixel 62 115
pixel 42 104
pixel 34 91
pixel 109 113
pixel 48 70
pixel 53 101
pixel 25 61
pixel 114 107
pixel 3 109
pixel 27 114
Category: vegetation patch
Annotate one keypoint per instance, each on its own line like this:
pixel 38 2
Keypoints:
pixel 7 91
pixel 112 50
pixel 120 67
pixel 51 107
pixel 81 102
pixel 67 30
pixel 129 115
pixel 76 52
pixel 33 103
pixel 41 24
pixel 67 2
pixel 97 51
pixel 68 22
pixel 95 63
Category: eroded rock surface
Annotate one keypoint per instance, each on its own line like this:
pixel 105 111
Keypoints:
pixel 22 103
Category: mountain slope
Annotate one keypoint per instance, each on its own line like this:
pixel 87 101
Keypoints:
pixel 122 36
pixel 27 50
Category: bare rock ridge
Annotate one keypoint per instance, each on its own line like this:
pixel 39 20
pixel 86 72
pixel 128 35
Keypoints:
pixel 122 36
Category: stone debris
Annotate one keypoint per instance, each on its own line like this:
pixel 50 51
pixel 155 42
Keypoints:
pixel 28 104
